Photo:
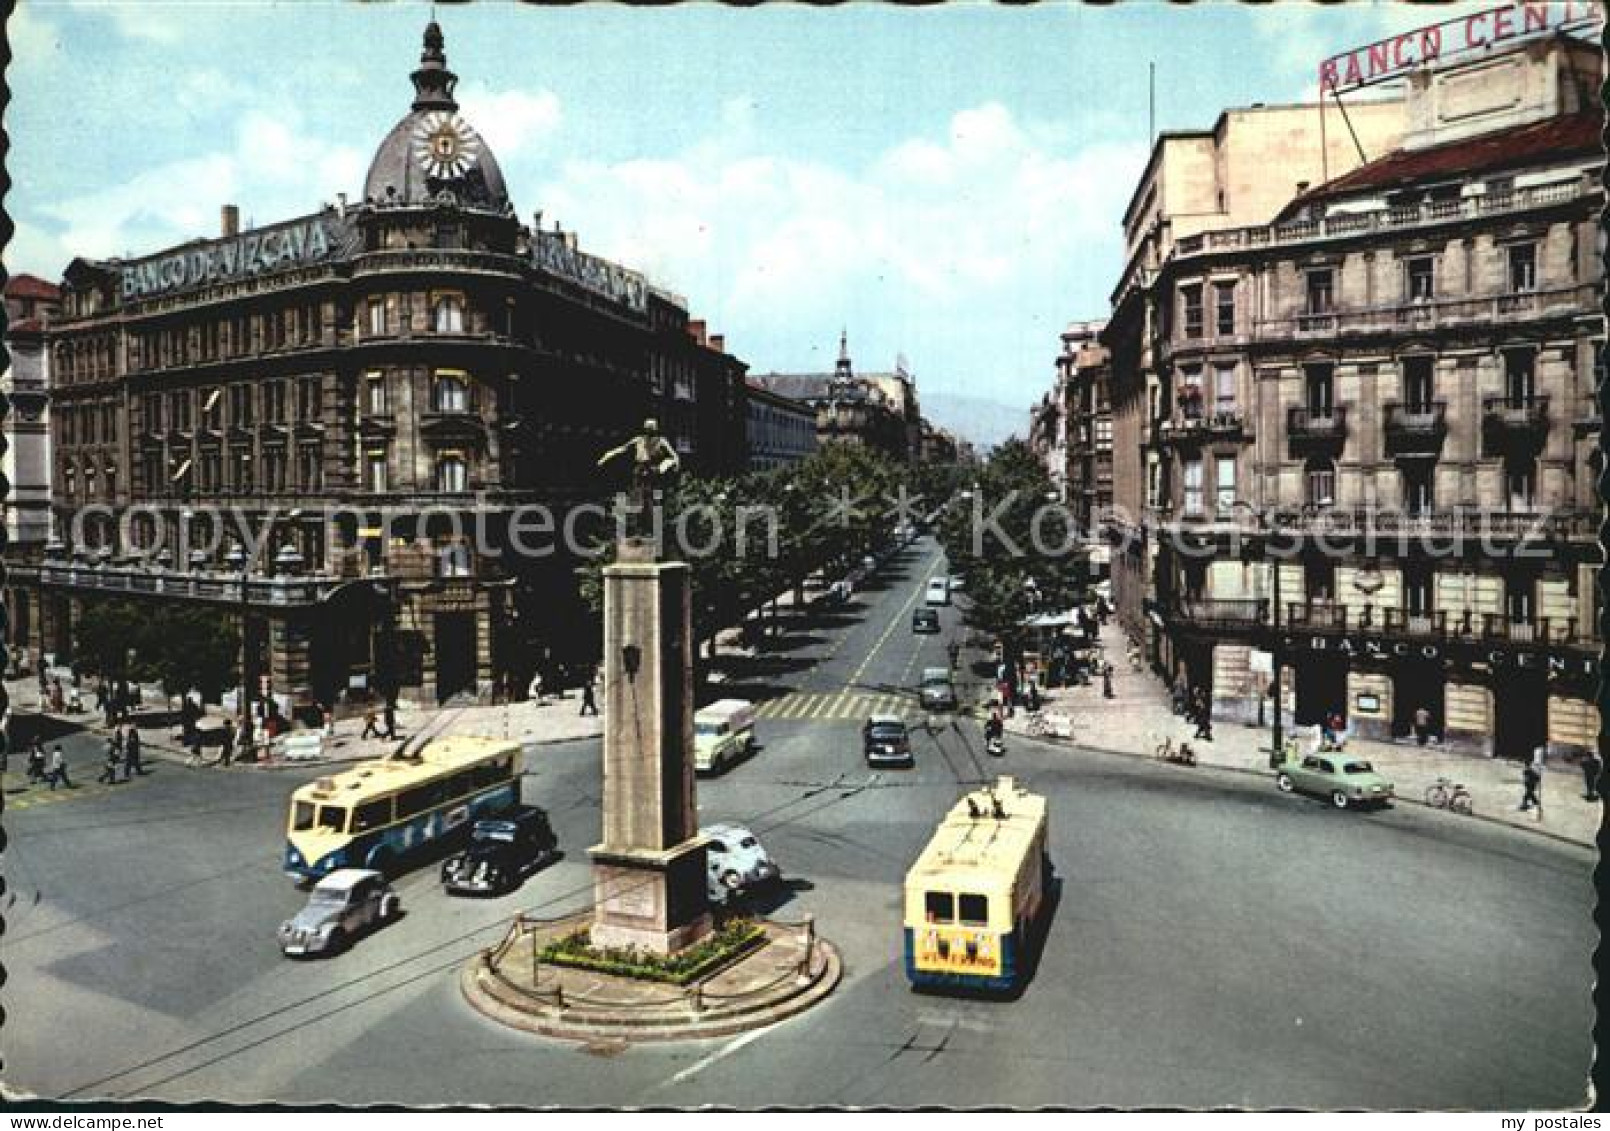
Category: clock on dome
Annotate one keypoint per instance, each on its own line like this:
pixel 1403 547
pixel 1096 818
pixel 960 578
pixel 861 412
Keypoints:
pixel 446 146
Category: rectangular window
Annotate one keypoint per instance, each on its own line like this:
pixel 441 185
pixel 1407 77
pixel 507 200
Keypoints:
pixel 1191 392
pixel 1418 388
pixel 1319 386
pixel 372 815
pixel 240 406
pixel 1224 388
pixel 1522 267
pixel 1224 484
pixel 1520 377
pixel 274 402
pixel 939 907
pixel 1419 489
pixel 1520 483
pixel 1321 291
pixel 1321 484
pixel 1192 478
pixel 302 816
pixel 1420 278
pixel 375 394
pixel 152 403
pixel 212 410
pixel 1224 307
pixel 309 398
pixel 374 477
pixel 377 316
pixel 973 910
pixel 309 468
pixel 1191 309
pixel 1419 587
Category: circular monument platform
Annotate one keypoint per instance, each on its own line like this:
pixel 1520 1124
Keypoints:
pixel 791 970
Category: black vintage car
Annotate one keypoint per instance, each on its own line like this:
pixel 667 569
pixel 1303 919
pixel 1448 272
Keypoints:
pixel 502 852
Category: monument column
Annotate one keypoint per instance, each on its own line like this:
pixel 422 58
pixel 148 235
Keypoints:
pixel 649 872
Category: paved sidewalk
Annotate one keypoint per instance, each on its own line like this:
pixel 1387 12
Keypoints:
pixel 1138 718
pixel 555 719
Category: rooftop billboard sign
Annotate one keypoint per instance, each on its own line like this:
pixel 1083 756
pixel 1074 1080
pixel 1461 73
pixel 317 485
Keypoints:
pixel 1393 58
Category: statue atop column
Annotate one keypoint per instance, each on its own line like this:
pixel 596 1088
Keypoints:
pixel 654 460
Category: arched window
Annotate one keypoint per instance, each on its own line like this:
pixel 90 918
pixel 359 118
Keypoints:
pixel 451 393
pixel 447 314
pixel 1319 482
pixel 451 473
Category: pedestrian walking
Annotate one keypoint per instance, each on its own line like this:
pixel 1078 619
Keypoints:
pixel 1182 700
pixel 371 724
pixel 36 762
pixel 535 690
pixel 99 691
pixel 227 753
pixel 58 701
pixel 1532 780
pixel 390 716
pixel 1202 714
pixel 1592 767
pixel 57 773
pixel 1032 698
pixel 1422 725
pixel 109 770
pixel 1106 681
pixel 132 751
pixel 589 702
pixel 329 724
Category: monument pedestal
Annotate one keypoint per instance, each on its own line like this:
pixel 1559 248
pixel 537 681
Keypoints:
pixel 654 901
pixel 649 872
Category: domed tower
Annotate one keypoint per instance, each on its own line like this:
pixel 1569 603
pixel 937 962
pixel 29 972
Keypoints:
pixel 434 181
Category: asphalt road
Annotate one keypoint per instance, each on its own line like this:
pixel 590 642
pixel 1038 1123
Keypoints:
pixel 1213 942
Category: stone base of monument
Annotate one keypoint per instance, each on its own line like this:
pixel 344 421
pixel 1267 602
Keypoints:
pixel 791 970
pixel 651 900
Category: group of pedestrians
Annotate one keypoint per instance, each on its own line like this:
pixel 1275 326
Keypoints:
pixel 123 751
pixel 48 770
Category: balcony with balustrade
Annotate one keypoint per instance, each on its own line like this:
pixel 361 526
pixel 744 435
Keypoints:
pixel 1194 424
pixel 1514 421
pixel 1415 429
pixel 1221 614
pixel 1310 430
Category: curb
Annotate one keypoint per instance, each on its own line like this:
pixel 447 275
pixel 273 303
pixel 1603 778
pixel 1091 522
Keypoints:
pixel 1244 770
pixel 618 1027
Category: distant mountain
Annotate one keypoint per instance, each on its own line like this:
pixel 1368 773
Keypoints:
pixel 984 422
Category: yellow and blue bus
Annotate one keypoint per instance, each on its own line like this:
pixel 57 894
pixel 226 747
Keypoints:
pixel 977 891
pixel 377 813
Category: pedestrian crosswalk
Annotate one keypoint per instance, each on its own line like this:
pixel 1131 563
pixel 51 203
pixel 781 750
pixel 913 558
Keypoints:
pixel 838 706
pixel 20 795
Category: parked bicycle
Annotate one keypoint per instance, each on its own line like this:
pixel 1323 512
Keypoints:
pixel 1445 793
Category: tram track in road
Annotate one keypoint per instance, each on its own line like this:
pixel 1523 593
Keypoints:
pixel 292 1013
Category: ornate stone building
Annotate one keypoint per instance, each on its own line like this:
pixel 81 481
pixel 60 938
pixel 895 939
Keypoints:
pixel 372 392
pixel 874 410
pixel 1360 440
pixel 780 430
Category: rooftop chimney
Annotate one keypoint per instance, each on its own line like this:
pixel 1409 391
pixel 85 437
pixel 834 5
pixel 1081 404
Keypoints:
pixel 1302 187
pixel 696 328
pixel 229 220
pixel 718 342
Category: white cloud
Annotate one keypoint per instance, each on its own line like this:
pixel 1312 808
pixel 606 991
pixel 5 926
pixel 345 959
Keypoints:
pixel 947 230
pixel 32 36
pixel 273 170
pixel 512 121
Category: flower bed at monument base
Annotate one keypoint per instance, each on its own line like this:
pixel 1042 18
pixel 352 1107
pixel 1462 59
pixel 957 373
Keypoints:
pixel 734 938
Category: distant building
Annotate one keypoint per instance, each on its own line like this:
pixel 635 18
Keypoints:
pixel 874 410
pixel 1083 370
pixel 30 304
pixel 780 431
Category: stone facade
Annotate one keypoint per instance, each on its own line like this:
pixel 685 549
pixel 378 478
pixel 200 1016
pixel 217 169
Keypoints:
pixel 374 391
pixel 1363 437
pixel 781 430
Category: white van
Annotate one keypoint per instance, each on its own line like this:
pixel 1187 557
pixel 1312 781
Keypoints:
pixel 723 733
pixel 938 591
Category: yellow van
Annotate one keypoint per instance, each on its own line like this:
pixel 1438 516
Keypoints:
pixel 723 733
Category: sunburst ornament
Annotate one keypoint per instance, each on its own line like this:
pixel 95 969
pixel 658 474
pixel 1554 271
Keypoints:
pixel 445 145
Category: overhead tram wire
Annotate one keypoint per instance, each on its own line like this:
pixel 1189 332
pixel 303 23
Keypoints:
pixel 550 904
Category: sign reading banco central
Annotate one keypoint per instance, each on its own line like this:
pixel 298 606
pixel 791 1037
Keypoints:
pixel 1566 665
pixel 254 253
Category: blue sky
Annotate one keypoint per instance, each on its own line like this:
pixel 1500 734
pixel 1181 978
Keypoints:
pixel 946 182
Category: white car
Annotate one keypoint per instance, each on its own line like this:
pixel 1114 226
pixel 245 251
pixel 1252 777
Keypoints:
pixel 938 592
pixel 735 863
pixel 341 906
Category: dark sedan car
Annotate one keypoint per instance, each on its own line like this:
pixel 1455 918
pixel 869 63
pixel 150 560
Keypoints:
pixel 925 621
pixel 502 852
pixel 886 741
